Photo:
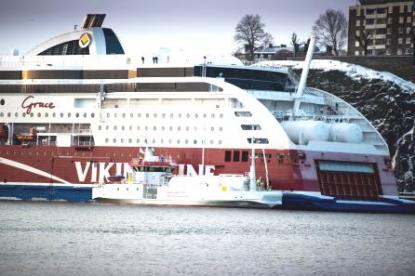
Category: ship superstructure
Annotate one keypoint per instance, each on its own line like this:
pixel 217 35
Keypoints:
pixel 76 114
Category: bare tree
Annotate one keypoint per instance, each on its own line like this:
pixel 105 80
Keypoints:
pixel 364 39
pixel 331 29
pixel 294 42
pixel 250 32
pixel 267 41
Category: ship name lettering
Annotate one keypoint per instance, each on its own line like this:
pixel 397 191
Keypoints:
pixel 26 104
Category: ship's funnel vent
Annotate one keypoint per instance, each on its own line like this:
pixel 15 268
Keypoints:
pixel 93 20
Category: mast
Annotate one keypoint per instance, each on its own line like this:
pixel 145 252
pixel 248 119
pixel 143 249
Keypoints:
pixel 252 176
pixel 304 74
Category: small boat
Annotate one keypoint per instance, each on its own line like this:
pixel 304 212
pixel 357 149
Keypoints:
pixel 154 181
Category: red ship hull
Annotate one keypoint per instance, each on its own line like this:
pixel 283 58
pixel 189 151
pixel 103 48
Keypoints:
pixel 287 170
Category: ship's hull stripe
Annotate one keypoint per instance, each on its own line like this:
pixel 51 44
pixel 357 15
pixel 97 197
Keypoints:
pixel 31 169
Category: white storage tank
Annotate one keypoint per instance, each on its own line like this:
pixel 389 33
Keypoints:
pixel 302 132
pixel 346 133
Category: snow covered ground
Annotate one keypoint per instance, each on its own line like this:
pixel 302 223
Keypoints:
pixel 351 70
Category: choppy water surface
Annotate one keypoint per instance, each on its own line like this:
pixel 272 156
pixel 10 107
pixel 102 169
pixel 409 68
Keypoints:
pixel 89 239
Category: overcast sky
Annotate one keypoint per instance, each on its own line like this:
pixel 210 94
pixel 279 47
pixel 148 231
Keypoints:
pixel 143 26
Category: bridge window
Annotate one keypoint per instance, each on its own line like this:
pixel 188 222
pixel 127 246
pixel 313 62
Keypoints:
pixel 258 141
pixel 243 114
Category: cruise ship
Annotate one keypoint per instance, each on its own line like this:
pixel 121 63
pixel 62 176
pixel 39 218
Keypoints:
pixel 75 110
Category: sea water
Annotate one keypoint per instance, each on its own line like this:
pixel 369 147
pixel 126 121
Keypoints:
pixel 46 238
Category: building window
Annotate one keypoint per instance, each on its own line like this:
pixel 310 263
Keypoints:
pixel 401 20
pixel 356 44
pixel 408 40
pixel 390 20
pixel 409 19
pixel 370 21
pixel 400 30
pixel 356 53
pixel 358 23
pixel 400 40
pixel 357 33
pixel 389 31
pixel 388 41
pixel 399 52
pixel 408 30
pixel 408 51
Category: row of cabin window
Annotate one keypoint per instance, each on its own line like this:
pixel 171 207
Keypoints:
pixel 238 156
pixel 92 115
pixel 154 128
pixel 47 114
pixel 162 141
pixel 164 115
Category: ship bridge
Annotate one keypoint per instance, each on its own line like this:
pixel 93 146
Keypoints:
pixel 92 39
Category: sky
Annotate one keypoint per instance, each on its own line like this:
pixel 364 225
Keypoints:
pixel 143 27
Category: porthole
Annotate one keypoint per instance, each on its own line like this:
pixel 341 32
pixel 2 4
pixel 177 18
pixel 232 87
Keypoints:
pixel 131 115
pixel 163 128
pixel 220 142
pixel 147 115
pixel 115 127
pixel 139 115
pixel 32 114
pixel 122 128
pixel 146 128
pixel 171 128
pixel 220 128
pixel 69 115
pixel 186 141
pixel 108 115
pixel 171 115
pixel 46 114
pixel 179 128
pixel 153 141
pixel 1 114
pixel 122 140
pixel 92 115
pixel 130 128
pixel 23 114
pixel 178 141
pixel 212 129
pixel 106 140
pixel 114 140
pixel 155 115
pixel 154 128
pixel 187 128
pixel 138 140
pixel 187 115
pixel 130 140
pixel 9 114
pixel 107 127
pixel 85 115
pixel 16 114
pixel 77 115
pixel 163 115
pixel 123 115
pixel 138 127
pixel 115 115
pixel 195 141
pixel 99 127
pixel 221 115
pixel 39 115
pixel 61 115
pixel 53 114
pixel 2 102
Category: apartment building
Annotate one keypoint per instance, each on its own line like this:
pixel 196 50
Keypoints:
pixel 381 27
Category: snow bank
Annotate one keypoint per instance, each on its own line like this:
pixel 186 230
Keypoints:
pixel 351 70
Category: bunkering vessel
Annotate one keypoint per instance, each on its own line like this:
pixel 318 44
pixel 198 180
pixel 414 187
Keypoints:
pixel 75 110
